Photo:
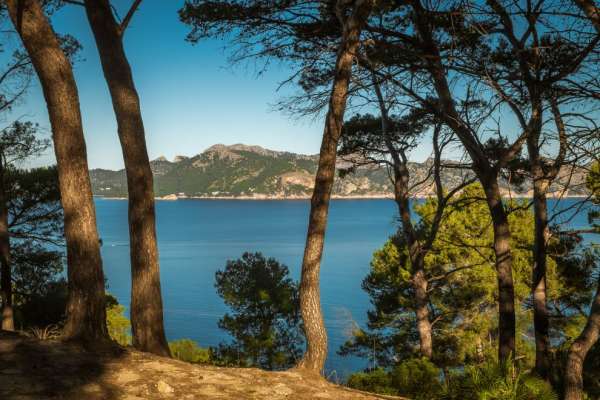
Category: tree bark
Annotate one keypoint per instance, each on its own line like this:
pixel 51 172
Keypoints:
pixel 579 350
pixel 506 291
pixel 86 313
pixel 314 358
pixel 540 309
pixel 146 300
pixel 541 181
pixel 488 177
pixel 8 323
pixel 415 249
pixel 416 254
pixel 591 10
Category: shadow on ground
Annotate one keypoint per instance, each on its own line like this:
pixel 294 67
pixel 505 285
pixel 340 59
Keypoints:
pixel 33 369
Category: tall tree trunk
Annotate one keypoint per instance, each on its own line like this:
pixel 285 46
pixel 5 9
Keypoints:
pixel 415 250
pixel 540 309
pixel 488 177
pixel 86 313
pixel 579 350
pixel 417 257
pixel 8 323
pixel 146 300
pixel 314 358
pixel 506 291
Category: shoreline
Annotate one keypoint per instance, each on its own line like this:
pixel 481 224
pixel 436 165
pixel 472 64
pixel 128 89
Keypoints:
pixel 304 198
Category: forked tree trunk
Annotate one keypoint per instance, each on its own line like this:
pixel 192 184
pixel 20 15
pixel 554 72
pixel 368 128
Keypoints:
pixel 8 323
pixel 86 313
pixel 579 350
pixel 146 300
pixel 314 358
pixel 415 250
pixel 488 177
pixel 417 256
pixel 541 181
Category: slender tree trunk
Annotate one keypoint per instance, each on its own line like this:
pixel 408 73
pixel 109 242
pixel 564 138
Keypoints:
pixel 591 10
pixel 314 358
pixel 506 291
pixel 417 259
pixel 8 323
pixel 416 253
pixel 540 309
pixel 146 300
pixel 579 350
pixel 86 313
pixel 488 177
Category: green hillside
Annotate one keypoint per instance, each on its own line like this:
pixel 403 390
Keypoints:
pixel 252 171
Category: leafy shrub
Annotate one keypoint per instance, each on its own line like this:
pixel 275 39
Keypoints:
pixel 189 351
pixel 492 381
pixel 417 378
pixel 117 323
pixel 376 381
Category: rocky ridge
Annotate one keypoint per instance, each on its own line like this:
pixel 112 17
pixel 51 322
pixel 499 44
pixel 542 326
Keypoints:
pixel 252 172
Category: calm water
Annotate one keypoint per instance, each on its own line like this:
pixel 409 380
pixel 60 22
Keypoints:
pixel 197 237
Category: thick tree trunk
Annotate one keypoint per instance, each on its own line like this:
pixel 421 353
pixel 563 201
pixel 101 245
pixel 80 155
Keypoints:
pixel 146 300
pixel 540 308
pixel 422 312
pixel 86 313
pixel 578 352
pixel 506 291
pixel 310 304
pixel 8 323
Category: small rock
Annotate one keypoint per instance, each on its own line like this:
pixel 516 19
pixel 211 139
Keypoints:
pixel 164 387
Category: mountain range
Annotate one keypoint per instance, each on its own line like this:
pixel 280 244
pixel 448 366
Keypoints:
pixel 253 172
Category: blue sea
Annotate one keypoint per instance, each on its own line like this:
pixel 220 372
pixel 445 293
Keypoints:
pixel 197 237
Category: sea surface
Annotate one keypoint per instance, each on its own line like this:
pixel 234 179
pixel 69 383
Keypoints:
pixel 197 237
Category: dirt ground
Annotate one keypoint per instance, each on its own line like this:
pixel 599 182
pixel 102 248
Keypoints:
pixel 34 369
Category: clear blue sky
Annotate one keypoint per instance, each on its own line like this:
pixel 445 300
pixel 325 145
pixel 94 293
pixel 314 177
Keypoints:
pixel 191 98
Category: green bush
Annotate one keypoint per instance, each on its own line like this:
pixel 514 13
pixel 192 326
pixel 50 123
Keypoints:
pixel 418 379
pixel 491 381
pixel 118 325
pixel 189 351
pixel 376 381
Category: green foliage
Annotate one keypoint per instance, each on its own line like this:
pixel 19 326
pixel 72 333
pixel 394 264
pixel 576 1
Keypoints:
pixel 119 326
pixel 417 378
pixel 42 308
pixel 188 350
pixel 463 288
pixel 265 323
pixel 593 185
pixel 491 381
pixel 36 232
pixel 375 381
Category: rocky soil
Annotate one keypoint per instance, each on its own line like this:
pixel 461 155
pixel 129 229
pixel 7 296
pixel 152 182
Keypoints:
pixel 34 369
